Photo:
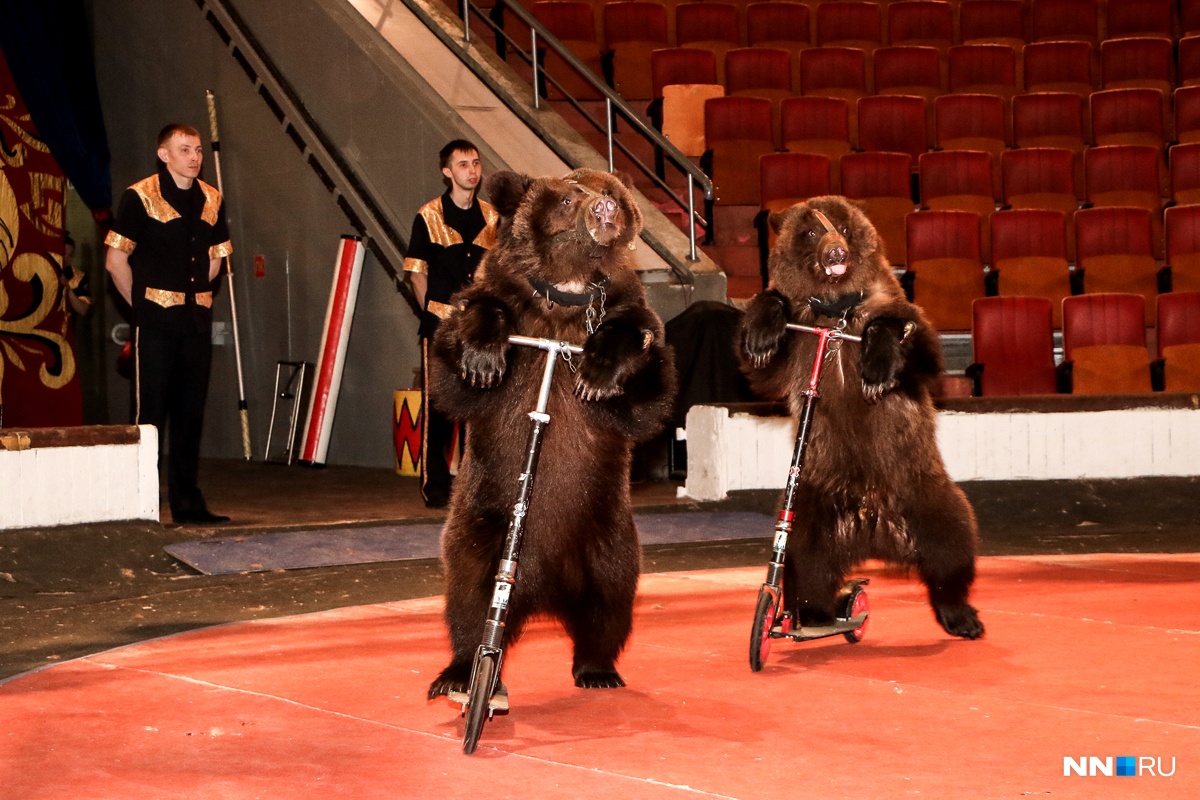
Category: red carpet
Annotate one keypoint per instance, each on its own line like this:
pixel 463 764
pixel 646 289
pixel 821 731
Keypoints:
pixel 1084 656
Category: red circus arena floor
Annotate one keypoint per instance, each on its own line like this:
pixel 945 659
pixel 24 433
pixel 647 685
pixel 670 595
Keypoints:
pixel 1084 656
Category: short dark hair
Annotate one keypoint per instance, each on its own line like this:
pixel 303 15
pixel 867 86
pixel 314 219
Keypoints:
pixel 452 147
pixel 166 133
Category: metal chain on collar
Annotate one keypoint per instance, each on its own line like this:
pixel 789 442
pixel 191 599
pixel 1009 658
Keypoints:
pixel 592 317
pixel 835 345
pixel 566 356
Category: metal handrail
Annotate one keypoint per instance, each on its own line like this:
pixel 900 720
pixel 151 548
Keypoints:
pixel 345 184
pixel 613 103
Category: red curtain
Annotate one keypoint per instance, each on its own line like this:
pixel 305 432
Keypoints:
pixel 39 386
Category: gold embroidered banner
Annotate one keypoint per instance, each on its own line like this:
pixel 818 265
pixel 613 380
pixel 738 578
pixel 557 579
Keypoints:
pixel 39 386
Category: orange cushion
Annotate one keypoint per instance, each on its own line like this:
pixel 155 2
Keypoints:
pixel 1181 367
pixel 1110 369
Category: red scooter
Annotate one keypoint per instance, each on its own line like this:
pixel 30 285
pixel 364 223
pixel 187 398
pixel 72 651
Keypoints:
pixel 769 621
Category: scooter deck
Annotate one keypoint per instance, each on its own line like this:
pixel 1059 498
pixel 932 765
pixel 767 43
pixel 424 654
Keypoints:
pixel 839 626
pixel 498 704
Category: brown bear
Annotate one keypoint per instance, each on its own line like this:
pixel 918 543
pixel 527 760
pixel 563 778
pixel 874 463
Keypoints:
pixel 873 484
pixel 561 270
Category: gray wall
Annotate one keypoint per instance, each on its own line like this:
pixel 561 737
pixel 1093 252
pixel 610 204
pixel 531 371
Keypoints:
pixel 155 59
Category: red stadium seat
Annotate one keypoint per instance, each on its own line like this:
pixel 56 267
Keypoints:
pixel 1126 175
pixel 850 23
pixel 1065 20
pixel 1144 62
pixel 574 24
pixel 1179 340
pixel 787 179
pixel 1059 67
pixel 1012 346
pixel 1042 178
pixel 782 25
pixel 819 126
pixel 1105 343
pixel 632 30
pixel 929 23
pixel 1116 253
pixel 1182 225
pixel 983 69
pixel 894 124
pixel 764 72
pixel 709 26
pixel 1187 114
pixel 883 182
pixel 945 265
pixel 738 131
pixel 1139 18
pixel 1029 253
pixel 960 180
pixel 992 22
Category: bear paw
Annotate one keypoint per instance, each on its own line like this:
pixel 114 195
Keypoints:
pixel 453 678
pixel 484 327
pixel 763 328
pixel 960 620
pixel 610 356
pixel 882 356
pixel 599 679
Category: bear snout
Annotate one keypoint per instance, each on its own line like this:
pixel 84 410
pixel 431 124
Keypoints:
pixel 602 219
pixel 835 255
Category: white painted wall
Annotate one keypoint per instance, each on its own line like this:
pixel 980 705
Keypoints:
pixel 731 450
pixel 45 486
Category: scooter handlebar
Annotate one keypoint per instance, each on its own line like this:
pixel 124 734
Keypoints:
pixel 834 333
pixel 545 344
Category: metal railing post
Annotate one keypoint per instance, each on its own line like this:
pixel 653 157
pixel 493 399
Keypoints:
pixel 537 77
pixel 608 121
pixel 691 220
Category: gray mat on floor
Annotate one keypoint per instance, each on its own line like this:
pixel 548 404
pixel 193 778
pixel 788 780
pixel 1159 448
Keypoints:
pixel 328 547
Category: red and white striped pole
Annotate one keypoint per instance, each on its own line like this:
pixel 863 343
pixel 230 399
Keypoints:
pixel 332 358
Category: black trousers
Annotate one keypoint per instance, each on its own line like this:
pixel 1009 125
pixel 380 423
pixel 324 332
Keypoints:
pixel 437 435
pixel 170 386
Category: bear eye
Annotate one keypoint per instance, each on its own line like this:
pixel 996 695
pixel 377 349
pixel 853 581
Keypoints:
pixel 812 233
pixel 567 201
pixel 845 230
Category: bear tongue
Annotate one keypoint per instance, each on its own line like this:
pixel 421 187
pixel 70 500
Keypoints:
pixel 835 269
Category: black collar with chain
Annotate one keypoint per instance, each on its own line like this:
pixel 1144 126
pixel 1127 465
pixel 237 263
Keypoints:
pixel 840 307
pixel 559 297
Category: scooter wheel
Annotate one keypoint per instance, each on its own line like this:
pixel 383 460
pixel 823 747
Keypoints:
pixel 760 634
pixel 478 698
pixel 856 603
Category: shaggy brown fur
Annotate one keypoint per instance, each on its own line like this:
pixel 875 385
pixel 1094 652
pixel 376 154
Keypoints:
pixel 580 557
pixel 873 483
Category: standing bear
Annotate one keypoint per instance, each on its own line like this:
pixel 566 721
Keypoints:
pixel 562 270
pixel 873 484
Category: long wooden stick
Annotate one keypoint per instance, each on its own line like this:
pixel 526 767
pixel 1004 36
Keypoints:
pixel 243 408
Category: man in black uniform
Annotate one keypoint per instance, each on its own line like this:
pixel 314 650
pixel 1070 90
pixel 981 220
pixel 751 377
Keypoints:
pixel 165 250
pixel 449 237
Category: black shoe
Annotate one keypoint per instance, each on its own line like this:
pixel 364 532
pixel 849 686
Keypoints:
pixel 437 501
pixel 436 498
pixel 202 517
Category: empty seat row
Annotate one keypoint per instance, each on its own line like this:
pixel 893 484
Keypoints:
pixel 1029 254
pixel 1104 345
pixel 844 72
pixel 933 22
pixel 633 30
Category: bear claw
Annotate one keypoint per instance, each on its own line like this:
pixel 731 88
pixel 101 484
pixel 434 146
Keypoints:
pixel 960 621
pixel 453 678
pixel 599 679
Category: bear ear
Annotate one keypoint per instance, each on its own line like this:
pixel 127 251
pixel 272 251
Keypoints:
pixel 505 190
pixel 624 177
pixel 859 204
pixel 777 218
